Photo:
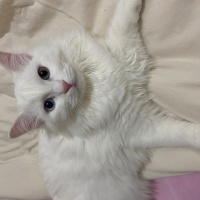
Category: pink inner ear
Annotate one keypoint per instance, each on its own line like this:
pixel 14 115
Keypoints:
pixel 14 62
pixel 23 124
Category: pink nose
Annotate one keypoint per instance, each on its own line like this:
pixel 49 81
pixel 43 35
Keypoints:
pixel 66 87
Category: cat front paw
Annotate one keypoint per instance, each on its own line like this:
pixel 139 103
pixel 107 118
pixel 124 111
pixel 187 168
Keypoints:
pixel 129 10
pixel 136 5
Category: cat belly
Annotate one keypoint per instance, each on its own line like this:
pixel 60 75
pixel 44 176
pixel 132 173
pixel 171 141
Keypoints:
pixel 70 173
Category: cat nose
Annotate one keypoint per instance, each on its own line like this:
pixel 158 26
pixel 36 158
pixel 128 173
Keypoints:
pixel 66 86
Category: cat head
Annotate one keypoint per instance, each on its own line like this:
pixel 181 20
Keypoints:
pixel 62 85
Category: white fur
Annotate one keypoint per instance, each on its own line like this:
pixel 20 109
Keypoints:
pixel 94 143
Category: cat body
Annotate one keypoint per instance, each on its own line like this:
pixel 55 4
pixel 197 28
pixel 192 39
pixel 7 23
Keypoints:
pixel 97 121
pixel 97 168
pixel 93 158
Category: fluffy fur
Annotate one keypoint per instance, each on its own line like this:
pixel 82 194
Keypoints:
pixel 95 142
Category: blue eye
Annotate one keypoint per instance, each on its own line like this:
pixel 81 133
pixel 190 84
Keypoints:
pixel 44 73
pixel 49 104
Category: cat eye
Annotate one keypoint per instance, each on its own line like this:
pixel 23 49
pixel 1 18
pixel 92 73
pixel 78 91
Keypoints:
pixel 49 104
pixel 44 73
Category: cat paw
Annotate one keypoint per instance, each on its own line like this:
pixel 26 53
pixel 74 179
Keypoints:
pixel 134 5
pixel 137 6
pixel 129 10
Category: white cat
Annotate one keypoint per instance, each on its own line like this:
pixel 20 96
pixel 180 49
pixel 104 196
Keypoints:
pixel 90 100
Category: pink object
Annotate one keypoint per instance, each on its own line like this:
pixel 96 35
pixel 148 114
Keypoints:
pixel 23 124
pixel 184 187
pixel 66 87
pixel 13 62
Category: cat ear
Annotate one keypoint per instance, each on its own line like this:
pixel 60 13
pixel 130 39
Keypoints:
pixel 14 62
pixel 23 124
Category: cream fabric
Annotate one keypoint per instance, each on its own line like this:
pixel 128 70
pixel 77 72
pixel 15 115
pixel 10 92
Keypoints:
pixel 171 32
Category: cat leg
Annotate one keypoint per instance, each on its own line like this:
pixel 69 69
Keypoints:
pixel 168 132
pixel 123 37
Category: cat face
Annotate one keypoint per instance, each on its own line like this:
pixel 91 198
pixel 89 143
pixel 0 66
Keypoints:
pixel 49 87
pixel 66 84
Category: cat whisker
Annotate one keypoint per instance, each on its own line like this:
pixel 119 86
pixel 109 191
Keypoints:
pixel 80 105
pixel 72 114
